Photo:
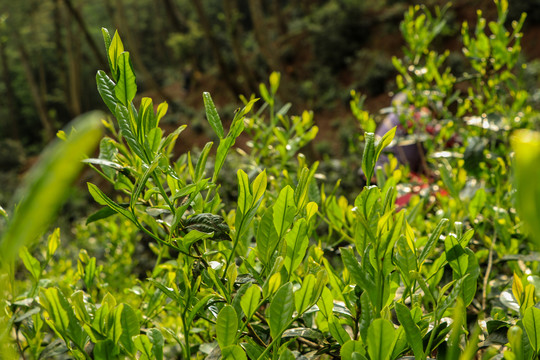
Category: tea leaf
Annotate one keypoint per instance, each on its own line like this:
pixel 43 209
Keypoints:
pixel 304 296
pixel 156 338
pixel 125 88
pixel 350 347
pixel 45 185
pixel 30 263
pixel 297 243
pixel 201 162
pixel 130 326
pixel 233 352
pixel 281 310
pixel 284 210
pixel 198 307
pixel 384 142
pixel 368 162
pixel 103 199
pixel 435 235
pixel 105 88
pixel 226 326
pixel 212 115
pixel 116 48
pixel 412 331
pixel 128 131
pixel 531 323
pixel 337 330
pixel 381 339
pixel 250 300
pixel 267 237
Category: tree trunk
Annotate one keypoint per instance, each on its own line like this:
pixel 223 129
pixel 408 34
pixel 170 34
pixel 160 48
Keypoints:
pixel 174 18
pixel 231 19
pixel 39 101
pixel 60 22
pixel 260 30
pixel 101 60
pixel 74 70
pixel 14 114
pixel 210 37
pixel 280 20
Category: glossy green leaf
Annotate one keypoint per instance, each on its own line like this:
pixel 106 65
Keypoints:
pixel 384 142
pixel 368 157
pixel 251 300
pixel 326 303
pixel 360 276
pixel 130 326
pixel 30 263
pixel 432 241
pixel 157 341
pixel 105 88
pixel 116 48
pixel 226 326
pixel 267 237
pixel 141 182
pixel 128 131
pixel 125 88
pixel 259 187
pixel 381 339
pixel 201 162
pixel 44 186
pixel 198 307
pixel 412 331
pixel 350 347
pixel 61 316
pixel 297 243
pixel 103 199
pixel 304 296
pixel 170 292
pixel 337 331
pixel 284 210
pixel 106 350
pixel 143 344
pixel 281 310
pixel 233 352
pixel 531 323
pixel 212 115
pixel 244 193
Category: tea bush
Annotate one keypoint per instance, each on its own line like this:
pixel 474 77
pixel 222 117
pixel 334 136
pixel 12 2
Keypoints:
pixel 176 264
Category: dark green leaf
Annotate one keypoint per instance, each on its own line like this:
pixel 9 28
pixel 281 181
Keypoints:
pixel 105 88
pixel 412 331
pixel 368 162
pixel 212 115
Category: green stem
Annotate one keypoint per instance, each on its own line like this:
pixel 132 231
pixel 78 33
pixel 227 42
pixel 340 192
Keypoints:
pixel 163 193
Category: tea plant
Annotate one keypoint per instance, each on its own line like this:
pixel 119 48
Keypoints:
pixel 285 269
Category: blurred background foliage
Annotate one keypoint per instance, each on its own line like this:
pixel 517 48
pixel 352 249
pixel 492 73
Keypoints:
pixel 50 51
